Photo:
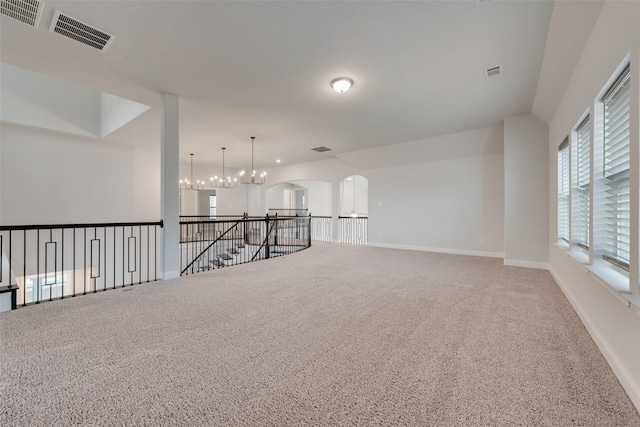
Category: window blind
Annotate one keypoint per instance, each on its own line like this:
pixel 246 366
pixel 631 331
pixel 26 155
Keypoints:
pixel 563 191
pixel 581 185
pixel 616 171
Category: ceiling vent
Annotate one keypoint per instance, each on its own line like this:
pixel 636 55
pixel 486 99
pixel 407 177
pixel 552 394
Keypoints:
pixel 493 72
pixel 80 32
pixel 27 11
pixel 321 149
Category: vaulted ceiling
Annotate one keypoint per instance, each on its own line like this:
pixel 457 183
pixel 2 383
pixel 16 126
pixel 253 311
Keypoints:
pixel 263 68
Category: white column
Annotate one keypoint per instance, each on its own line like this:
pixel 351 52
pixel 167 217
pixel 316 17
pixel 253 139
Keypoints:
pixel 170 198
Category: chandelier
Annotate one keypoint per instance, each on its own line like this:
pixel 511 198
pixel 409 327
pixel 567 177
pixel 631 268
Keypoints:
pixel 222 182
pixel 191 184
pixel 252 179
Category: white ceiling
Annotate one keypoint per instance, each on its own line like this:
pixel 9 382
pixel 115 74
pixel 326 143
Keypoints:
pixel 263 69
pixel 571 24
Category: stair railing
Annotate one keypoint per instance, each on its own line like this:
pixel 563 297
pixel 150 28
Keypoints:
pixel 225 243
pixel 209 246
pixel 56 261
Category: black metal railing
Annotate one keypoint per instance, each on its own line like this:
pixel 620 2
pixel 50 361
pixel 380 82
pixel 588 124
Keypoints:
pixel 354 230
pixel 47 262
pixel 186 218
pixel 288 212
pixel 321 228
pixel 210 244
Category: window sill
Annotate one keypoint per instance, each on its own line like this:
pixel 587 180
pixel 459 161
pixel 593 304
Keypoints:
pixel 579 255
pixel 605 274
pixel 608 274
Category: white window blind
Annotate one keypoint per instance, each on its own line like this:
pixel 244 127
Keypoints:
pixel 616 171
pixel 563 191
pixel 581 185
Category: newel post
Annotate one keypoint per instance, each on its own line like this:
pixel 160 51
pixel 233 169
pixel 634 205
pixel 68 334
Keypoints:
pixel 266 248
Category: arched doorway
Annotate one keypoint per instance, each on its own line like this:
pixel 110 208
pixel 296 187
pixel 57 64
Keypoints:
pixel 354 210
pixel 354 200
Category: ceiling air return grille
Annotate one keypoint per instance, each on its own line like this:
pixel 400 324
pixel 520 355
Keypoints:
pixel 27 11
pixel 493 72
pixel 80 32
pixel 321 149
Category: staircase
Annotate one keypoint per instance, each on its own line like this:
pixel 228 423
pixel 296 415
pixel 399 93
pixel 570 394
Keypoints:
pixel 207 245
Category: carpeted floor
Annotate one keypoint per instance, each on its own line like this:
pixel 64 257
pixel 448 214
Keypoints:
pixel 334 335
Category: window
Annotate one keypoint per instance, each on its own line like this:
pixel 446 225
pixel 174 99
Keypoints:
pixel 616 171
pixel 581 185
pixel 40 288
pixel 212 205
pixel 563 192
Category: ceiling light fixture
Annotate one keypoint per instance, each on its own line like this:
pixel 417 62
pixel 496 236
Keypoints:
pixel 341 84
pixel 252 179
pixel 190 184
pixel 222 182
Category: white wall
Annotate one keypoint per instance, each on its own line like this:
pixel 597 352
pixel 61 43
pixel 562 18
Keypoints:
pixel 317 194
pixel 34 99
pixel 613 323
pixel 50 177
pixel 452 202
pixel 319 201
pixel 526 186
pixel 232 201
pixel 444 193
pixel 188 202
pixel 279 196
pixel 147 181
pixel 204 202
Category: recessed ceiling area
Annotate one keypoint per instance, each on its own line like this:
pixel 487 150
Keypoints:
pixel 262 69
pixel 34 99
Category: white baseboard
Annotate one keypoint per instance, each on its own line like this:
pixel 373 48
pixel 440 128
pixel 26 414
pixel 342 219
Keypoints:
pixel 439 250
pixel 168 275
pixel 632 389
pixel 527 264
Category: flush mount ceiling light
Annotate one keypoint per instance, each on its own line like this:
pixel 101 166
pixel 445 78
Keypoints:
pixel 341 84
pixel 223 182
pixel 246 178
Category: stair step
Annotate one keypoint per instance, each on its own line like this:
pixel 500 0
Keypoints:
pixel 225 256
pixel 233 251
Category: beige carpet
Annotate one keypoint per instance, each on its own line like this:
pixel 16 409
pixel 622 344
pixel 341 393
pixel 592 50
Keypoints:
pixel 334 335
